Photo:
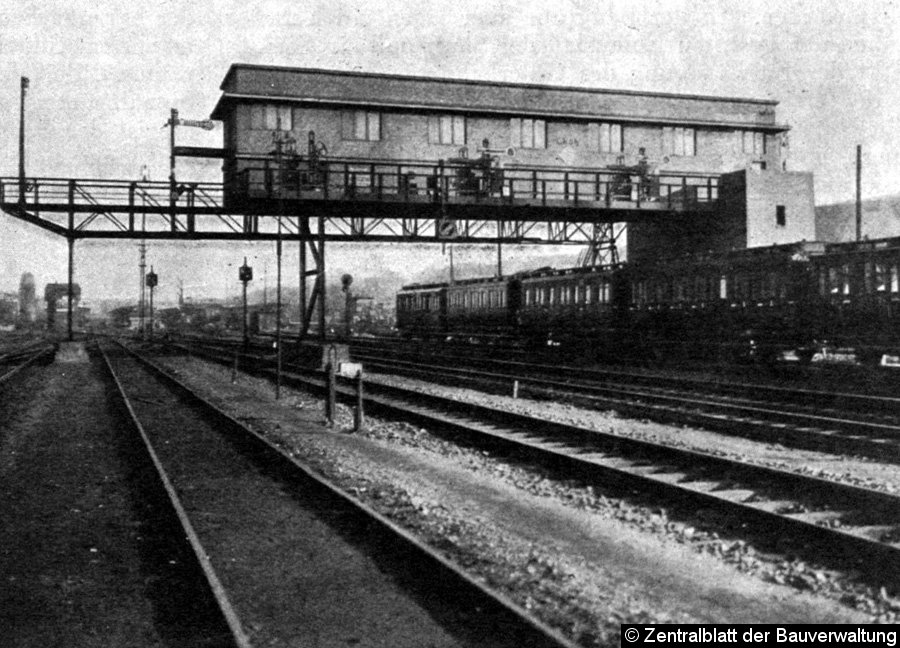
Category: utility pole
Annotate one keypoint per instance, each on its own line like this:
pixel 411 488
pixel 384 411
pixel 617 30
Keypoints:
pixel 24 87
pixel 143 250
pixel 173 120
pixel 143 268
pixel 859 192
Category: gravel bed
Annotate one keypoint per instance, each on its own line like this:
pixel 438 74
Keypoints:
pixel 572 594
pixel 854 470
pixel 882 605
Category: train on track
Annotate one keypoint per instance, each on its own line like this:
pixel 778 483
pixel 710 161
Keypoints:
pixel 802 301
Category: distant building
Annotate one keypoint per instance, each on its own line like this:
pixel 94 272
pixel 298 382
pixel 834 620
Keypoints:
pixel 56 295
pixel 27 300
pixel 384 117
pixel 9 310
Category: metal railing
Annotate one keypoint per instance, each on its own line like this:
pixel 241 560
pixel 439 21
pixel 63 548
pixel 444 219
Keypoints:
pixel 472 182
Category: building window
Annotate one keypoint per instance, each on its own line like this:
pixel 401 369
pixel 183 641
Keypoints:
pixel 447 129
pixel 679 141
pixel 753 142
pixel 361 125
pixel 780 215
pixel 271 117
pixel 528 133
pixel 611 138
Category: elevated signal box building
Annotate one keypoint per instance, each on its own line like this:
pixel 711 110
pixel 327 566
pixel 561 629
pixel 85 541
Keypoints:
pixel 728 152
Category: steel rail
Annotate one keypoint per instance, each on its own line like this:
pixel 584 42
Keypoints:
pixel 863 402
pixel 30 358
pixel 218 590
pixel 744 419
pixel 680 474
pixel 539 634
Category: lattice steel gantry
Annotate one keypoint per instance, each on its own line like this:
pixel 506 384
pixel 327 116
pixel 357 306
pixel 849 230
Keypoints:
pixel 360 201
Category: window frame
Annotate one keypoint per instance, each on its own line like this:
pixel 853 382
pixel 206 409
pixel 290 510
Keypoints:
pixel 675 138
pixel 352 120
pixel 271 117
pixel 611 138
pixel 518 128
pixel 448 123
pixel 753 142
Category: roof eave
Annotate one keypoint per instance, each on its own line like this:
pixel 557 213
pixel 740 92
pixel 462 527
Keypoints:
pixel 218 112
pixel 481 82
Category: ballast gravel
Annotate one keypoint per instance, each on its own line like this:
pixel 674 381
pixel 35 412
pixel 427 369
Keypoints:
pixel 568 591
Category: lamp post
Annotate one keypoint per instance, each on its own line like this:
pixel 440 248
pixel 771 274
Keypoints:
pixel 152 280
pixel 245 274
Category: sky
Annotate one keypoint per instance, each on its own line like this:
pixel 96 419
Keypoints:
pixel 105 74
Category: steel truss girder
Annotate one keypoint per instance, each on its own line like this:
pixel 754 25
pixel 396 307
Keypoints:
pixel 99 209
pixel 337 229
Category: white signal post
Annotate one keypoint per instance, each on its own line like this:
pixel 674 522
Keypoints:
pixel 175 120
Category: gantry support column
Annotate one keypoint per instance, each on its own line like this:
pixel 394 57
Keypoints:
pixel 310 301
pixel 70 287
pixel 602 249
pixel 320 278
pixel 303 230
pixel 71 241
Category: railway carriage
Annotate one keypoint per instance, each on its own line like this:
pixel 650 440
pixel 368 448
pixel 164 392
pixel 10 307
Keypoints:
pixel 483 308
pixel 422 310
pixel 580 306
pixel 858 289
pixel 740 303
pixel 760 303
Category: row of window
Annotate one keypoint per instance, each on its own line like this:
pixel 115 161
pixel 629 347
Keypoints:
pixel 417 302
pixel 877 277
pixel 836 280
pixel 568 294
pixel 484 298
pixel 525 133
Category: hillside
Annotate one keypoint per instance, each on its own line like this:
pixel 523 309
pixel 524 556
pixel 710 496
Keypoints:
pixel 880 219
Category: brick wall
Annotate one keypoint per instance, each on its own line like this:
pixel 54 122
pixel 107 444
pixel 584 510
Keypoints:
pixel 405 136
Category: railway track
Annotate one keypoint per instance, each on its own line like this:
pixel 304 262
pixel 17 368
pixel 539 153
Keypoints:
pixel 290 557
pixel 826 421
pixel 15 360
pixel 839 525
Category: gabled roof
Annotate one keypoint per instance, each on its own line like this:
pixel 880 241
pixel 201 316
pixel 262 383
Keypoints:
pixel 245 82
